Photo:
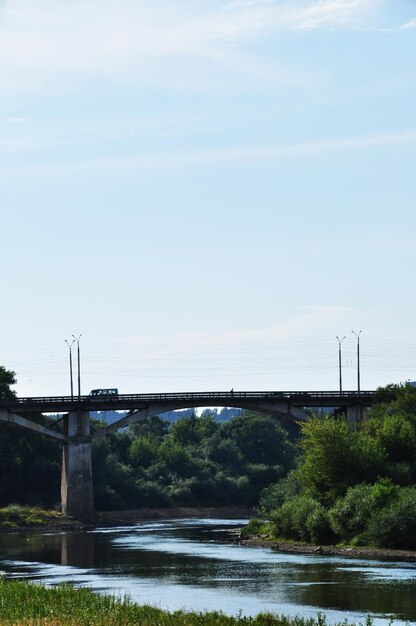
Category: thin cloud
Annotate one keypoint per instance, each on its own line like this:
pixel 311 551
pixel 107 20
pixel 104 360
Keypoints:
pixel 255 153
pixel 16 120
pixel 48 45
pixel 309 318
pixel 337 13
pixel 254 17
pixel 156 161
pixel 410 24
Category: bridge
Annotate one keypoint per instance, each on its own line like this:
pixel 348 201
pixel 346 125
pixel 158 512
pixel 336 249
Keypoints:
pixel 76 436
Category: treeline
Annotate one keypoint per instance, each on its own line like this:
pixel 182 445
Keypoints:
pixel 194 461
pixel 357 487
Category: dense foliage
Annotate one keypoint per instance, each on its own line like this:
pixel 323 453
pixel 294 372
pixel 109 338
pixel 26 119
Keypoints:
pixel 29 466
pixel 28 604
pixel 355 486
pixel 193 461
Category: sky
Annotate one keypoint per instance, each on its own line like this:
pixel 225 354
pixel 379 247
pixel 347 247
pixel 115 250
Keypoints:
pixel 208 192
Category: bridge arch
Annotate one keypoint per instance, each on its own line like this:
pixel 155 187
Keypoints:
pixel 281 410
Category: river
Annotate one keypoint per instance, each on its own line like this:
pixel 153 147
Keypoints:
pixel 197 564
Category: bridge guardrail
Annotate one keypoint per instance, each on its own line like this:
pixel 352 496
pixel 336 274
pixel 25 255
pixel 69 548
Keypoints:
pixel 210 395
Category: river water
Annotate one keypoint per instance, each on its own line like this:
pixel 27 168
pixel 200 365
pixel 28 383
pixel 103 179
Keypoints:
pixel 197 564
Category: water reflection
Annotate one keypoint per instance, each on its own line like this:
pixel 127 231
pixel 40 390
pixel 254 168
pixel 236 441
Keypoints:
pixel 196 564
pixel 77 550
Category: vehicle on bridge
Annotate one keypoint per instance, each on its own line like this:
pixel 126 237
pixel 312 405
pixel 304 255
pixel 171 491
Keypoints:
pixel 104 393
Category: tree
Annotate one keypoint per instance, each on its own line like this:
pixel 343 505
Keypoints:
pixel 226 453
pixel 29 466
pixel 392 428
pixel 355 485
pixel 143 450
pixel 184 431
pixel 7 379
pixel 261 439
pixel 335 458
pixel 153 425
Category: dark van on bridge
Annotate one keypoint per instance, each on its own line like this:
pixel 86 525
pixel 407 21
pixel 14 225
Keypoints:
pixel 104 393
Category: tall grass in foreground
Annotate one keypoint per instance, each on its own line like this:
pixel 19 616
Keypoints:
pixel 28 604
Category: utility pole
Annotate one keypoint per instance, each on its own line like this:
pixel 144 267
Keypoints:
pixel 358 359
pixel 339 364
pixel 79 365
pixel 70 366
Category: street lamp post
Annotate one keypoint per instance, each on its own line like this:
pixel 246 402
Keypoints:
pixel 79 364
pixel 358 359
pixel 70 365
pixel 339 364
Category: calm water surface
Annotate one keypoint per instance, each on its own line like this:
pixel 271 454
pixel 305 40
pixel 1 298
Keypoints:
pixel 196 564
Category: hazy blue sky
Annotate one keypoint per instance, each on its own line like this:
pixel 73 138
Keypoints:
pixel 208 191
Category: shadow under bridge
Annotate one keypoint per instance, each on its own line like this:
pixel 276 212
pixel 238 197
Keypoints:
pixel 277 404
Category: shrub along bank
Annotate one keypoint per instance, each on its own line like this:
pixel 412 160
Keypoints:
pixel 355 487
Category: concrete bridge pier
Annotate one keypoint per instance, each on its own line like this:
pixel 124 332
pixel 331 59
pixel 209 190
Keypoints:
pixel 355 415
pixel 76 478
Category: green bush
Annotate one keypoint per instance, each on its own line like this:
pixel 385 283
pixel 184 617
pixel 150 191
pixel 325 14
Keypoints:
pixel 394 526
pixel 192 491
pixel 303 518
pixel 384 492
pixel 273 496
pixel 235 491
pixel 350 514
pixel 318 527
pixel 151 493
pixel 261 475
pixel 255 527
pixel 361 506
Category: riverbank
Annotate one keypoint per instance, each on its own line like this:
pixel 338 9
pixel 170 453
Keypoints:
pixel 19 518
pixel 145 514
pixel 348 551
pixel 15 518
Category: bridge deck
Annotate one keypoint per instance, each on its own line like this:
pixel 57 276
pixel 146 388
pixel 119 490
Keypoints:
pixel 312 399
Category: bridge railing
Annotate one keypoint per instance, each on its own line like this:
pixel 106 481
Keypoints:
pixel 197 396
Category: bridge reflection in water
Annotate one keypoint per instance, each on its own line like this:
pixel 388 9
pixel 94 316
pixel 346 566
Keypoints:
pixel 77 549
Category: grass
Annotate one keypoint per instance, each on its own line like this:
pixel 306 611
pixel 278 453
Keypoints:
pixel 14 516
pixel 28 604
